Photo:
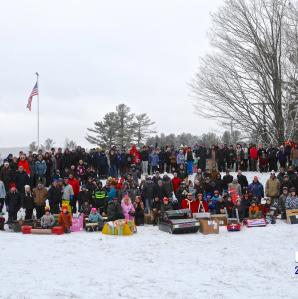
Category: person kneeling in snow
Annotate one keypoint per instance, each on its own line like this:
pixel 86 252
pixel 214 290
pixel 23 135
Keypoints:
pixel 65 219
pixel 47 220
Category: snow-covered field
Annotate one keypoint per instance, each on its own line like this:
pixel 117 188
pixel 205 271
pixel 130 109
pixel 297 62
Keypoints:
pixel 253 263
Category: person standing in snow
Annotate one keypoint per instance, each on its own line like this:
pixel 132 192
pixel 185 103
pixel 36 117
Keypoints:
pixel 256 188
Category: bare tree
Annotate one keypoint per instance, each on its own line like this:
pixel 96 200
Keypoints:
pixel 33 147
pixel 244 80
pixel 49 143
pixel 70 144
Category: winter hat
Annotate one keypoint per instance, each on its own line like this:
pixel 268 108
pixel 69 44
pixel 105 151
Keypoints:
pixel 93 210
pixel 272 172
pixel 64 207
pixel 293 189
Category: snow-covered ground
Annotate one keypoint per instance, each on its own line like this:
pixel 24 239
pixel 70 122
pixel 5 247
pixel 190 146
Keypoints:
pixel 253 263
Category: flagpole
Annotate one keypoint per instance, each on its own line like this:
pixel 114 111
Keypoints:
pixel 37 77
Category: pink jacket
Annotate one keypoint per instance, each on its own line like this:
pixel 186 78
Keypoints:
pixel 126 209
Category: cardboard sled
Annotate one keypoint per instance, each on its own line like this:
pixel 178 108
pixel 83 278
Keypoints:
pixel 118 228
pixel 209 226
pixel 292 216
pixel 41 231
pixel 256 222
pixel 57 230
pixel 26 229
pixel 221 218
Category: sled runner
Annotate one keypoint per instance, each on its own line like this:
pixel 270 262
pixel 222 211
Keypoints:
pixel 179 222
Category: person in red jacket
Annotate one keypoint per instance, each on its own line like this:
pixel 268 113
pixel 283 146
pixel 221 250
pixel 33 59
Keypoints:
pixel 24 163
pixel 74 183
pixel 253 152
pixel 176 182
pixel 190 203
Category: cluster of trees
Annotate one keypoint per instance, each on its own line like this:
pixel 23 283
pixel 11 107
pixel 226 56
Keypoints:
pixel 121 128
pixel 250 77
pixel 188 139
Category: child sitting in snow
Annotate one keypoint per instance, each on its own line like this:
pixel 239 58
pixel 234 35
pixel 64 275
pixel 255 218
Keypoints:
pixel 65 219
pixel 47 220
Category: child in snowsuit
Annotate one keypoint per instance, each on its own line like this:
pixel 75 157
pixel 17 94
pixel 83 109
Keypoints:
pixel 254 211
pixel 65 219
pixel 47 220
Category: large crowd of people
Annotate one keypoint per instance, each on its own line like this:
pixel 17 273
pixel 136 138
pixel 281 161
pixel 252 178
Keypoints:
pixel 129 183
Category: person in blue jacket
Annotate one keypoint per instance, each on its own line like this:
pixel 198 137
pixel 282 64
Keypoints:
pixel 154 161
pixel 213 202
pixel 256 188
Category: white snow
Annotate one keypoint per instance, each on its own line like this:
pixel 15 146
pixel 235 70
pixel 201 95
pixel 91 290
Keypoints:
pixel 253 263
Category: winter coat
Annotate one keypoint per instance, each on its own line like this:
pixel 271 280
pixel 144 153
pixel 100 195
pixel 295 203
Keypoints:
pixel 127 210
pixel 67 192
pixel 294 154
pixel 21 179
pixel 291 202
pixel 114 211
pixel 25 165
pixel 282 156
pixel 40 196
pixel 242 180
pixel 272 187
pixel 176 183
pixel 40 168
pixel 27 200
pixel 6 176
pixel 65 220
pixel 254 212
pixel 180 159
pixel 112 193
pixel 54 196
pixel 226 180
pixel 149 190
pixel 2 190
pixel 74 183
pixel 167 184
pixel 236 187
pixel 256 189
pixel 47 220
pixel 253 152
pixel 154 159
pixel 95 218
pixel 13 201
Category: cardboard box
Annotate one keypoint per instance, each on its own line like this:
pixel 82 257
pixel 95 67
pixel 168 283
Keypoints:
pixel 209 226
pixel 221 218
pixel 292 216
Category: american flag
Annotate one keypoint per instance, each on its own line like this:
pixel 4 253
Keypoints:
pixel 34 92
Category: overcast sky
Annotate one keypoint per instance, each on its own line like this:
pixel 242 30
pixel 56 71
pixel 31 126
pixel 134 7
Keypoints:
pixel 93 55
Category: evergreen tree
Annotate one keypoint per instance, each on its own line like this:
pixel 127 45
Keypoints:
pixel 125 130
pixel 142 127
pixel 106 131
